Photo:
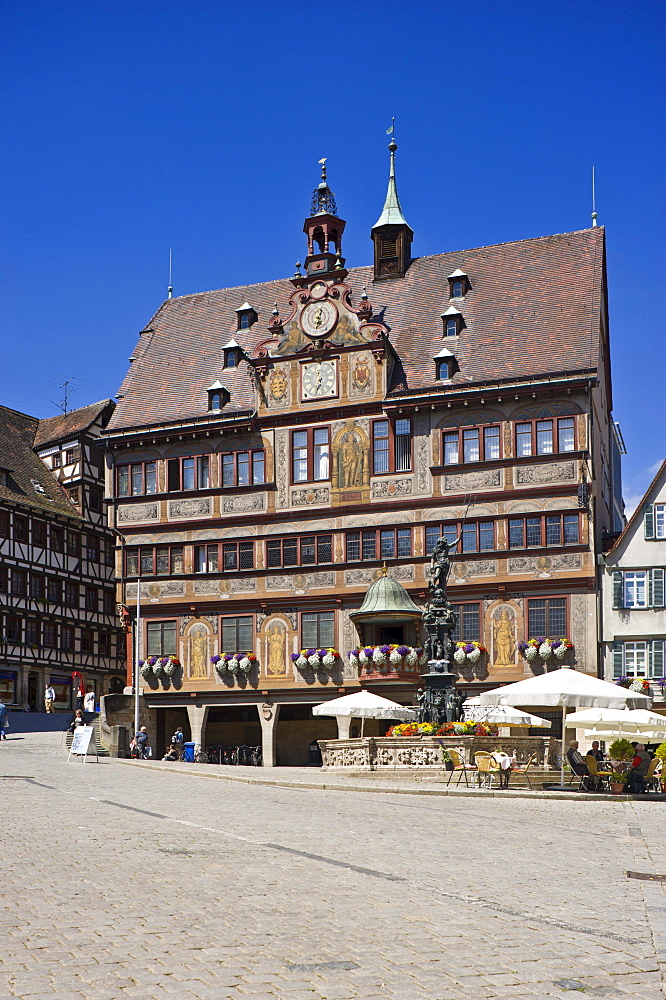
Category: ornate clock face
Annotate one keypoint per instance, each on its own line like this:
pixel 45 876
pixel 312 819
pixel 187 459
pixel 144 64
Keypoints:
pixel 319 379
pixel 319 318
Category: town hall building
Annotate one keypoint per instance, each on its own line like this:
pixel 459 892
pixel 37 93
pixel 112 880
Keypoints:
pixel 284 456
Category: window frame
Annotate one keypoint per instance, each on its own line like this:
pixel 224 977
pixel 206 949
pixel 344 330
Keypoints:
pixel 555 435
pixel 239 622
pixel 329 622
pixel 175 551
pixel 137 474
pixel 380 553
pixel 256 460
pixel 460 432
pixel 542 518
pixel 475 606
pixel 157 626
pixel 392 446
pixel 310 447
pixel 298 541
pixel 175 465
pixel 547 634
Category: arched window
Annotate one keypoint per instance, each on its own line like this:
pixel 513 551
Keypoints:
pixel 215 401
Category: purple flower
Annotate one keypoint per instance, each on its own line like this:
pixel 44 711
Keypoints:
pixel 228 656
pixel 310 652
pixel 295 656
pixel 556 643
pixel 403 650
pixel 522 646
pixel 141 662
pixel 353 652
pixel 368 650
pixel 385 649
pixel 470 647
pixel 215 658
pixel 322 652
pixel 152 660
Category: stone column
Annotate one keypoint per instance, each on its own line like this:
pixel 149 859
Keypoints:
pixel 344 725
pixel 197 715
pixel 268 717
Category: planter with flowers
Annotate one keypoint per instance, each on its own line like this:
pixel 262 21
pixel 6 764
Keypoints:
pixel 315 659
pixel 233 663
pixel 469 652
pixel 387 657
pixel 547 649
pixel 159 665
pixel 447 729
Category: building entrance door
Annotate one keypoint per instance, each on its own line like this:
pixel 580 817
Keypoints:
pixel 33 687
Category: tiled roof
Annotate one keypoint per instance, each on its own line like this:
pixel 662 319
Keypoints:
pixel 25 469
pixel 66 425
pixel 533 308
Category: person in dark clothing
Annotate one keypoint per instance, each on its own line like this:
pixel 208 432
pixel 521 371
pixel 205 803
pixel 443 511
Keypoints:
pixel 141 748
pixel 596 752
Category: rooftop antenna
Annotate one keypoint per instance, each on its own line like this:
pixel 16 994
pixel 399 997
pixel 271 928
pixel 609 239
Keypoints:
pixel 67 390
pixel 594 205
pixel 170 288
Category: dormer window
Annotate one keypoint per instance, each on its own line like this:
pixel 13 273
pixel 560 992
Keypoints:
pixel 246 316
pixel 218 397
pixel 458 284
pixel 453 322
pixel 445 365
pixel 231 354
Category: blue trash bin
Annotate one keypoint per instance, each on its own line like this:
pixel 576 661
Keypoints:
pixel 188 752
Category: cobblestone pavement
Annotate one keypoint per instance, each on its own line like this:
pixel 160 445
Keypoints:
pixel 124 880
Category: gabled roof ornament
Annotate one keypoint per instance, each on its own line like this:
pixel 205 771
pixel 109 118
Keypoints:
pixel 323 199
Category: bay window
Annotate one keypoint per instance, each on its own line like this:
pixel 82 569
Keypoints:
pixel 243 468
pixel 192 473
pixel 471 444
pixel 136 479
pixel 545 437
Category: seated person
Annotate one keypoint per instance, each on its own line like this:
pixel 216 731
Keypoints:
pixel 172 753
pixel 596 752
pixel 638 771
pixel 77 721
pixel 576 762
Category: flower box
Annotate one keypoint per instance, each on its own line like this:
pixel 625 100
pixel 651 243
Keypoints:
pixel 545 649
pixel 389 657
pixel 233 663
pixel 315 659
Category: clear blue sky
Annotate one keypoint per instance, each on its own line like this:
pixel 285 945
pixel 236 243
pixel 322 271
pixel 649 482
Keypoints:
pixel 129 128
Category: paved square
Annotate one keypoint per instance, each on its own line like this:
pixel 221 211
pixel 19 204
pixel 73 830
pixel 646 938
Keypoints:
pixel 122 880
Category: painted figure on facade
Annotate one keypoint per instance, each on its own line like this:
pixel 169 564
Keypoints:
pixel 505 646
pixel 199 653
pixel 350 458
pixel 276 661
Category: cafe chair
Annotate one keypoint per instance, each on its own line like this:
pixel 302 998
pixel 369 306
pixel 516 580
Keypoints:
pixel 459 766
pixel 653 776
pixel 486 768
pixel 524 769
pixel 597 779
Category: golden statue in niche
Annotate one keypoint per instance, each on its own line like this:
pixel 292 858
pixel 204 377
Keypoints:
pixel 350 459
pixel 276 659
pixel 504 640
pixel 199 652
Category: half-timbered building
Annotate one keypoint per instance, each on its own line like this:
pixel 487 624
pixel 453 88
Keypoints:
pixel 57 589
pixel 285 454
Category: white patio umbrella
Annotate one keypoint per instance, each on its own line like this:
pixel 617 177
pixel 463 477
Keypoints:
pixel 642 735
pixel 365 705
pixel 565 688
pixel 503 715
pixel 616 719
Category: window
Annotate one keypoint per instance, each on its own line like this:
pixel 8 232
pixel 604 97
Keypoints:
pixel 72 455
pixel 237 555
pixel 452 322
pixel 37 586
pixel 385 543
pixel 13 629
pixel 443 368
pixel 92 548
pixel 4 580
pixel 160 560
pixel 136 479
pixel 544 530
pixel 206 558
pixel 188 473
pixel 237 634
pixel 472 444
pixel 310 455
pixel 67 637
pixel 318 630
pixel 54 590
pixel 56 460
pixel 547 618
pixel 435 531
pixel 638 588
pixel 242 468
pixel 4 524
pixel 307 550
pixel 468 627
pixel 92 599
pixel 20 528
pixel 477 536
pixel 638 659
pixel 108 602
pixel 32 632
pixel 654 521
pixel 392 445
pixel 104 644
pixel 71 594
pixel 19 582
pixel 95 499
pixel 456 289
pixel 214 401
pixel 50 635
pixel 161 638
pixel 231 357
pixel 39 533
pixel 544 437
pixel 86 641
pixel 73 494
pixel 57 539
pixel 73 543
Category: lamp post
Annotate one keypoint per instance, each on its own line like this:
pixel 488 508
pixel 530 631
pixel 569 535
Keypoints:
pixel 137 654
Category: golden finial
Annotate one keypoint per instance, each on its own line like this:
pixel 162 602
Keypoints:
pixel 384 570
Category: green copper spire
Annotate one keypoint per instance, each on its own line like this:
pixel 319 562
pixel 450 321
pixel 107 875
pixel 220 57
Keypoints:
pixel 392 214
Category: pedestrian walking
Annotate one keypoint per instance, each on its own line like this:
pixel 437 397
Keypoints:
pixel 49 698
pixel 4 720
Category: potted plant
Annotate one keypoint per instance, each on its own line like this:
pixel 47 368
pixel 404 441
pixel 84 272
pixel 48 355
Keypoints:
pixel 660 752
pixel 621 751
pixel 617 781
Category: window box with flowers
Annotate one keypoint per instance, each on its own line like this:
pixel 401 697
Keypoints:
pixel 469 652
pixel 447 729
pixel 315 659
pixel 233 663
pixel 389 656
pixel 159 665
pixel 545 648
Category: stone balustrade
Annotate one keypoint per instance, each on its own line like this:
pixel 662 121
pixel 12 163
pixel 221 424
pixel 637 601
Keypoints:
pixel 403 752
